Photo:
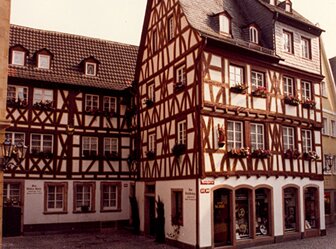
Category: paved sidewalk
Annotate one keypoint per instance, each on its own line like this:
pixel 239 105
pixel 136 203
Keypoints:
pixel 113 239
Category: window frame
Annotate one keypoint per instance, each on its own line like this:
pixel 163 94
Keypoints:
pixel 254 34
pixel 306 89
pixel 154 40
pixel 117 207
pixel 177 214
pixel 44 97
pixel 255 80
pixel 307 141
pixel 43 58
pixel 151 141
pixel 64 208
pixel 288 82
pixel 18 91
pixel 333 127
pixel 181 132
pixel 180 74
pixel 92 141
pixel 8 193
pixel 286 138
pixel 324 91
pixel 256 134
pixel 110 104
pixel 11 135
pixel 90 100
pixel 87 70
pixel 288 46
pixel 225 24
pixel 113 144
pixel 325 127
pixel 41 141
pixel 306 48
pixel 234 141
pixel 22 57
pixel 296 209
pixel 92 188
pixel 170 27
pixel 151 91
pixel 234 77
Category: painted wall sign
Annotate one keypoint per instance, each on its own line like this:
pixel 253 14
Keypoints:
pixel 205 190
pixel 207 182
pixel 33 190
pixel 190 195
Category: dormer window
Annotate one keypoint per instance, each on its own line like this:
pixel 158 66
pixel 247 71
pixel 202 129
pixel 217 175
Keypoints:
pixel 225 23
pixel 288 6
pixel 90 66
pixel 18 58
pixel 90 69
pixel 254 34
pixel 43 61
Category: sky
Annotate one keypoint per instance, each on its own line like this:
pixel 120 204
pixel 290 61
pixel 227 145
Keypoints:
pixel 121 20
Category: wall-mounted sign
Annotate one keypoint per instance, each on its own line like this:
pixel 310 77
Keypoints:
pixel 33 190
pixel 207 182
pixel 190 195
pixel 205 190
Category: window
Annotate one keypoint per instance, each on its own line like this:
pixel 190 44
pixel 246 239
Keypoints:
pixel 171 28
pixel 258 80
pixel 323 89
pixel 16 137
pixel 333 128
pixel 55 196
pixel 91 103
pixel 151 91
pixel 305 48
pixel 325 128
pixel 224 24
pixel 110 104
pixel 243 223
pixel 43 96
pixel 41 143
pixel 288 138
pixel 111 146
pixel 236 75
pixel 12 194
pixel 84 197
pixel 177 207
pixel 287 42
pixel 288 86
pixel 306 140
pixel 306 90
pixel 90 68
pixel 182 132
pixel 43 61
pixel 90 146
pixel 234 135
pixel 181 75
pixel 18 58
pixel 110 196
pixel 151 142
pixel 311 207
pixel 291 216
pixel 254 36
pixel 154 41
pixel 262 208
pixel 17 93
pixel 257 137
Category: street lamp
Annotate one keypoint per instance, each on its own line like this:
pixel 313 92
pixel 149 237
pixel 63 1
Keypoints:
pixel 328 163
pixel 9 152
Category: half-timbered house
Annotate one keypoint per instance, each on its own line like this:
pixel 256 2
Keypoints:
pixel 69 100
pixel 230 117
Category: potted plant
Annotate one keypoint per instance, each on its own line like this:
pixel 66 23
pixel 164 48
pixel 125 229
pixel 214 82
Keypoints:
pixel 221 136
pixel 308 103
pixel 311 155
pixel 292 100
pixel 261 153
pixel 260 92
pixel 292 154
pixel 149 102
pixel 179 149
pixel 150 154
pixel 239 88
pixel 239 153
pixel 85 208
pixel 179 85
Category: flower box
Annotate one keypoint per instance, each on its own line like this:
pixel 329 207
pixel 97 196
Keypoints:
pixel 261 153
pixel 292 154
pixel 111 155
pixel 41 154
pixel 91 111
pixel 311 155
pixel 292 100
pixel 308 103
pixel 179 85
pixel 149 102
pixel 85 209
pixel 151 155
pixel 239 88
pixel 17 103
pixel 239 153
pixel 179 150
pixel 260 92
pixel 44 105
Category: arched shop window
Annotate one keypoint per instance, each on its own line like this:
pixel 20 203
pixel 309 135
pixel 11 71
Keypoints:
pixel 291 209
pixel 311 207
pixel 262 209
pixel 243 220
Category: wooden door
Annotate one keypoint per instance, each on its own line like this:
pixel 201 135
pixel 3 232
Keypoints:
pixel 222 217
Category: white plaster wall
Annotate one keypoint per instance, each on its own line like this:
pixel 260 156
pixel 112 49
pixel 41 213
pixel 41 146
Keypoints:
pixel 34 205
pixel 205 201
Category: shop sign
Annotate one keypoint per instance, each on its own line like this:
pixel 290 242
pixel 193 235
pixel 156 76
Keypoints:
pixel 207 182
pixel 33 190
pixel 190 195
pixel 205 190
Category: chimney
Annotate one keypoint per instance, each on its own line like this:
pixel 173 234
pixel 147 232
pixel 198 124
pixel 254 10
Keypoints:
pixel 288 6
pixel 273 2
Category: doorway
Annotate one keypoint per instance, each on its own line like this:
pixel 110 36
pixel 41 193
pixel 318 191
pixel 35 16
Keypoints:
pixel 150 210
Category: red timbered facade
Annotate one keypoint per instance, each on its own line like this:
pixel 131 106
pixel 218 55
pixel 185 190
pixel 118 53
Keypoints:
pixel 230 117
pixel 70 99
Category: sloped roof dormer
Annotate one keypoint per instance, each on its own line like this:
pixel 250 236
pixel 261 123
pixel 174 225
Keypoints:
pixel 224 19
pixel 254 33
pixel 286 5
pixel 18 55
pixel 43 58
pixel 90 66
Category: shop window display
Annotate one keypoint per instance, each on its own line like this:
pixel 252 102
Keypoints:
pixel 310 208
pixel 262 211
pixel 242 214
pixel 327 203
pixel 290 205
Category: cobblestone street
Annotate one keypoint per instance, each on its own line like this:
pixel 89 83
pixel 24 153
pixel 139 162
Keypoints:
pixel 125 240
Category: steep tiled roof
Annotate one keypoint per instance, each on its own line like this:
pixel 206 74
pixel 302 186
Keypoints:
pixel 116 68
